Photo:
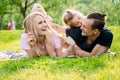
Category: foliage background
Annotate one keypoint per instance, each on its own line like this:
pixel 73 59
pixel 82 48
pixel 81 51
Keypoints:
pixel 55 8
pixel 105 67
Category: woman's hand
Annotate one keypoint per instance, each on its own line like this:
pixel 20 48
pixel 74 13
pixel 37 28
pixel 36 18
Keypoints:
pixel 31 39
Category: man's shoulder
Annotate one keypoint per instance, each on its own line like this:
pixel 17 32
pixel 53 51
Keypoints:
pixel 106 32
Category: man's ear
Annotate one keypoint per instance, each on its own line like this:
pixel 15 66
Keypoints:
pixel 96 31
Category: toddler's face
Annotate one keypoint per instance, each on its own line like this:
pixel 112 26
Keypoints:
pixel 76 21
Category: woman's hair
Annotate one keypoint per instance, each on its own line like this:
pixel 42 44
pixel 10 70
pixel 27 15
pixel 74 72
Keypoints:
pixel 30 26
pixel 69 15
pixel 98 16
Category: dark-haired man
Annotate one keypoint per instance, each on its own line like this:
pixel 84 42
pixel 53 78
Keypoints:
pixel 95 39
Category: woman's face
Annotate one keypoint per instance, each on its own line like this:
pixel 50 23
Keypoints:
pixel 41 25
pixel 76 21
pixel 86 27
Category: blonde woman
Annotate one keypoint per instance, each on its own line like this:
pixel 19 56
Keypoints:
pixel 42 40
pixel 39 39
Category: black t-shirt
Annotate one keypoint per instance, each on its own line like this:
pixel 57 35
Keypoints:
pixel 75 34
pixel 105 39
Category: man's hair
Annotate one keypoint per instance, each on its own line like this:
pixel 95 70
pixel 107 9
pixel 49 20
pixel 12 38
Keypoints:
pixel 98 16
pixel 98 24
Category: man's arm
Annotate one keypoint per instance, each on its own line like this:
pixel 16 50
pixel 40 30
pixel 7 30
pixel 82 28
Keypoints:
pixel 98 49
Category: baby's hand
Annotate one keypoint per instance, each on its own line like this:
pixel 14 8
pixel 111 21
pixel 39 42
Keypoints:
pixel 69 41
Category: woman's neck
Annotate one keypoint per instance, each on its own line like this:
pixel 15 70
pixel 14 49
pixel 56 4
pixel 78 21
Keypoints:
pixel 41 39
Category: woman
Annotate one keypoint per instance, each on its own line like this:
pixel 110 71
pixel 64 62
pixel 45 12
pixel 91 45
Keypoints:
pixel 39 39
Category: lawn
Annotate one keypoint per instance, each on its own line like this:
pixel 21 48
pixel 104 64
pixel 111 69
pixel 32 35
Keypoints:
pixel 103 67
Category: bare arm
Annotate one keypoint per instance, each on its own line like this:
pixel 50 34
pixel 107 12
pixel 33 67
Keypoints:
pixel 30 55
pixel 67 47
pixel 31 41
pixel 98 49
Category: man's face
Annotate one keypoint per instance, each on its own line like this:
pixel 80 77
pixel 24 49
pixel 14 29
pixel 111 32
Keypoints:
pixel 86 27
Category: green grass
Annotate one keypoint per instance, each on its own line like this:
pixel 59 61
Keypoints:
pixel 116 40
pixel 103 67
pixel 10 40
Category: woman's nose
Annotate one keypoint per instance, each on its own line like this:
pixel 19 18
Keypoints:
pixel 44 24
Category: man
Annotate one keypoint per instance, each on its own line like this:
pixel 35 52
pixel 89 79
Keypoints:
pixel 95 39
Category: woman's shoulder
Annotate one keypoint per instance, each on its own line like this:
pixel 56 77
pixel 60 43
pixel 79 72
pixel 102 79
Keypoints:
pixel 24 35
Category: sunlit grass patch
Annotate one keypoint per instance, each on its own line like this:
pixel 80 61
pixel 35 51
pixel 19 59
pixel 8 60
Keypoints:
pixel 102 67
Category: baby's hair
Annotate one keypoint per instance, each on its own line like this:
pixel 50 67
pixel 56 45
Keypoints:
pixel 38 8
pixel 69 15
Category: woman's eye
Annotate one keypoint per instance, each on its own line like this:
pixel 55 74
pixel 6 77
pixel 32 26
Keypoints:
pixel 44 21
pixel 40 22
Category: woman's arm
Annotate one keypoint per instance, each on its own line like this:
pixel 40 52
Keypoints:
pixel 30 55
pixel 27 41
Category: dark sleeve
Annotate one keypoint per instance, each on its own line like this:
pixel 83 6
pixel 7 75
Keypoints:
pixel 67 32
pixel 106 39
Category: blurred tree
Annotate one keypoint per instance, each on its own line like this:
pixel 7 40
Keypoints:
pixel 18 9
pixel 3 11
pixel 22 5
